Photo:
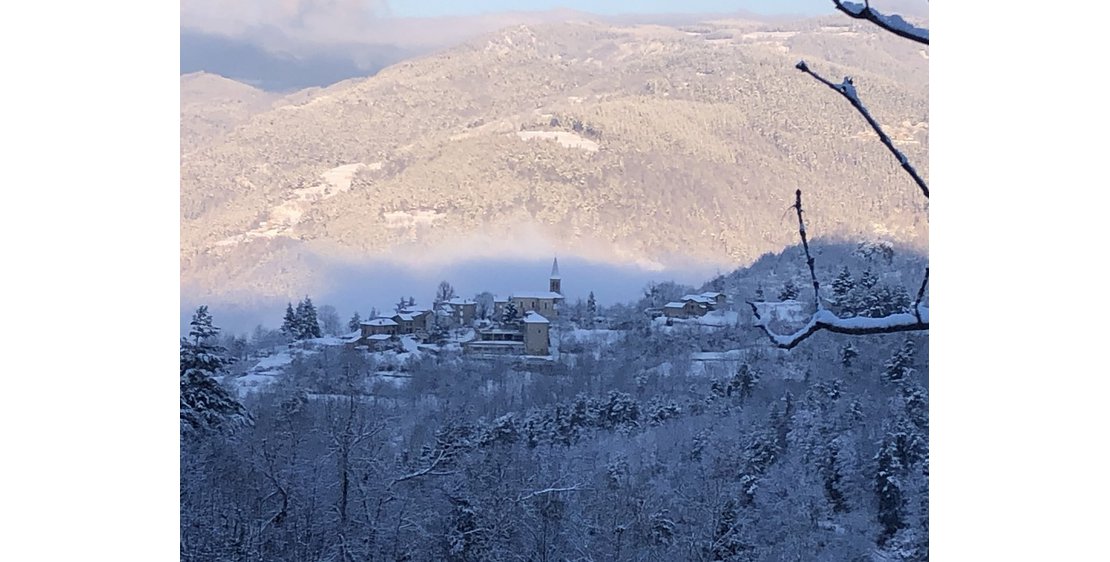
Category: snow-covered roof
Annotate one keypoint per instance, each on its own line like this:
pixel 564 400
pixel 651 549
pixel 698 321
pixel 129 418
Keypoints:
pixel 457 301
pixel 500 299
pixel 538 295
pixel 555 269
pixel 675 305
pixel 403 317
pixel 711 294
pixel 533 318
pixel 379 322
pixel 415 310
pixel 696 298
pixel 378 337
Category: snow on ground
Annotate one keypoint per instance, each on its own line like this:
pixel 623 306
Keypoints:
pixel 409 344
pixel 596 336
pixel 286 215
pixel 569 140
pixel 408 219
pixel 718 318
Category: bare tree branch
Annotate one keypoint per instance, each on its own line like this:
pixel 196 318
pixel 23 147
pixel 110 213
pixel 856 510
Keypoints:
pixel 855 326
pixel 546 491
pixel 921 295
pixel 848 90
pixel 893 23
pixel 805 244
pixel 429 470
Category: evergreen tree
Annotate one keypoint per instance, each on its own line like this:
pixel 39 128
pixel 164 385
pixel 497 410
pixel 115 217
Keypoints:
pixel 511 314
pixel 847 354
pixel 888 488
pixel 591 310
pixel 789 291
pixel 289 324
pixel 868 280
pixel 834 478
pixel 355 323
pixel 900 366
pixel 842 288
pixel 743 382
pixel 308 326
pixel 205 405
pixel 759 296
pixel 401 305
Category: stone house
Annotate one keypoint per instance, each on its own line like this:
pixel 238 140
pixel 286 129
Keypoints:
pixel 379 326
pixel 530 337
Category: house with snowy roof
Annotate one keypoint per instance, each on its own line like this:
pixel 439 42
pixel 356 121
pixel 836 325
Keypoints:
pixel 717 300
pixel 462 310
pixel 413 320
pixel 692 306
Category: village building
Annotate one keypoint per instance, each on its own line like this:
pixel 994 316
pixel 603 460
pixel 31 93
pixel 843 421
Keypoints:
pixel 414 320
pixel 545 303
pixel 379 326
pixel 532 337
pixel 462 310
pixel 685 309
pixel 536 335
pixel 717 300
pixel 693 306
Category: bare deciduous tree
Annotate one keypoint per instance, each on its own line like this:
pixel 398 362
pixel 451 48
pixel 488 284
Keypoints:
pixel 823 319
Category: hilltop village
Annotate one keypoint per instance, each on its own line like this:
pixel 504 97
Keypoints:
pixel 517 325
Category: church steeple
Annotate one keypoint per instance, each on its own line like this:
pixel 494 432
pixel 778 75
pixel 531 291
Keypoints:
pixel 556 282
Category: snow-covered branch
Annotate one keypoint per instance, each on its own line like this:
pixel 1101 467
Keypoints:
pixel 805 244
pixel 848 90
pixel 546 491
pixel 893 23
pixel 430 470
pixel 824 319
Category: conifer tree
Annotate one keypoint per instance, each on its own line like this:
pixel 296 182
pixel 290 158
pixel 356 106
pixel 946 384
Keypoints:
pixel 759 296
pixel 591 310
pixel 308 326
pixel 900 366
pixel 847 354
pixel 289 324
pixel 888 488
pixel 868 280
pixel 205 405
pixel 511 314
pixel 789 291
pixel 842 288
pixel 355 323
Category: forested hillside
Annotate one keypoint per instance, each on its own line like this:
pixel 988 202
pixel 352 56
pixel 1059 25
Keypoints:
pixel 680 440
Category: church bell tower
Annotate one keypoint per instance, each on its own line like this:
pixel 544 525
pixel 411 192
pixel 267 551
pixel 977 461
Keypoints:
pixel 556 282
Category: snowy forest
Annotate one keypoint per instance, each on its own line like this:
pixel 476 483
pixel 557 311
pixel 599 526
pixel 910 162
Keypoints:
pixel 788 425
pixel 644 441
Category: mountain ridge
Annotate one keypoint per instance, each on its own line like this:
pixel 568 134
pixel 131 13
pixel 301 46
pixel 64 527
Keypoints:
pixel 651 140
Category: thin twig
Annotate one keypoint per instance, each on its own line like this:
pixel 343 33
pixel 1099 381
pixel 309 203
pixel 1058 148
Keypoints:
pixel 848 90
pixel 805 244
pixel 893 23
